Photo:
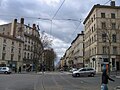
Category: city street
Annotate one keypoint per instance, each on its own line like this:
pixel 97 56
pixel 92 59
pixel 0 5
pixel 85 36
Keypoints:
pixel 52 81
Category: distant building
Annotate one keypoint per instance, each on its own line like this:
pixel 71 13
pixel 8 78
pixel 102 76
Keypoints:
pixel 102 37
pixel 78 50
pixel 74 55
pixel 22 39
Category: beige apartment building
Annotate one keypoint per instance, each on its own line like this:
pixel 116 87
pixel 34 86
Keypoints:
pixel 74 54
pixel 78 51
pixel 23 42
pixel 102 37
pixel 11 51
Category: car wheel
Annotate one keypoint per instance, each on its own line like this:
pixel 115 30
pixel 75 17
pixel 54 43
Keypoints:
pixel 77 75
pixel 5 72
pixel 92 74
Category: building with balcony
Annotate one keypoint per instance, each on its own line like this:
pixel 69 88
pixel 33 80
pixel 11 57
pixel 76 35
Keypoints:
pixel 102 37
pixel 23 42
pixel 11 51
pixel 74 55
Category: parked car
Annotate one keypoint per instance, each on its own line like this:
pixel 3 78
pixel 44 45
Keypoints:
pixel 5 70
pixel 72 70
pixel 84 72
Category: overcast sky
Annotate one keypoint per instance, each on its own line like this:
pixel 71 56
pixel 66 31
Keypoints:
pixel 62 31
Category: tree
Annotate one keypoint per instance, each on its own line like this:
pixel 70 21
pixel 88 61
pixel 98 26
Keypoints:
pixel 46 41
pixel 108 35
pixel 49 58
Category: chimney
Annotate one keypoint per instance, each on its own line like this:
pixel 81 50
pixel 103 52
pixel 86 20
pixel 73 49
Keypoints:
pixel 13 28
pixel 82 32
pixel 34 26
pixel 112 3
pixel 22 21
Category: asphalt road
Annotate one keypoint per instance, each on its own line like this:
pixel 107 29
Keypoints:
pixel 52 81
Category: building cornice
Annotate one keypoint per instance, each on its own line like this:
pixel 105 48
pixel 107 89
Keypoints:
pixel 12 38
pixel 99 6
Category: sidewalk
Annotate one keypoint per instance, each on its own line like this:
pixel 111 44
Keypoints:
pixel 116 74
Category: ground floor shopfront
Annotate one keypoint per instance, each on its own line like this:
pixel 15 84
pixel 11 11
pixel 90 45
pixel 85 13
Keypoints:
pixel 14 65
pixel 99 62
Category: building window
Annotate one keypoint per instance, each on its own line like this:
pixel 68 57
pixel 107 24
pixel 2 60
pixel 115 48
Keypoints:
pixel 12 56
pixel 29 40
pixel 12 43
pixel 113 15
pixel 103 25
pixel 104 36
pixel 31 48
pixel 12 49
pixel 28 56
pixel 24 54
pixel 3 56
pixel 19 50
pixel 105 60
pixel 92 29
pixel 19 57
pixel 25 39
pixel 8 33
pixel 4 47
pixel 105 49
pixel 113 38
pixel 114 50
pixel 4 41
pixel 94 17
pixel 31 56
pixel 19 44
pixel 95 50
pixel 25 47
pixel 28 47
pixel 3 29
pixel 102 15
pixel 113 62
pixel 113 25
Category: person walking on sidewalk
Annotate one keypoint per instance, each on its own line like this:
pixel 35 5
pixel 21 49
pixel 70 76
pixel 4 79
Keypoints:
pixel 19 70
pixel 105 79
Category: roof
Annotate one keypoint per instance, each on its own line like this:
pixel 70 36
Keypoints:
pixel 99 6
pixel 77 37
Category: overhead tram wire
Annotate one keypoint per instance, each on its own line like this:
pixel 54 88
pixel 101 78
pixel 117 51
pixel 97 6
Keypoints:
pixel 58 9
pixel 76 29
pixel 47 19
pixel 55 15
pixel 107 2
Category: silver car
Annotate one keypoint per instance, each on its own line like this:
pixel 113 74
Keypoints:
pixel 84 72
pixel 5 70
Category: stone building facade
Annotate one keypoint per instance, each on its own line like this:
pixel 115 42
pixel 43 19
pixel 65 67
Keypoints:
pixel 102 37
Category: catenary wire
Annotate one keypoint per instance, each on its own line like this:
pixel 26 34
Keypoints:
pixel 58 9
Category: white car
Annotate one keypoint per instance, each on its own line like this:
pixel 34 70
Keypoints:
pixel 5 70
pixel 84 72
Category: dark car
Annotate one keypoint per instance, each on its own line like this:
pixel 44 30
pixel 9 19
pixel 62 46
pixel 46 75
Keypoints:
pixel 84 72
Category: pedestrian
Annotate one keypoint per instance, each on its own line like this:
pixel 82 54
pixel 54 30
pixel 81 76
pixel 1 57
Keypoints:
pixel 105 79
pixel 19 70
pixel 15 70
